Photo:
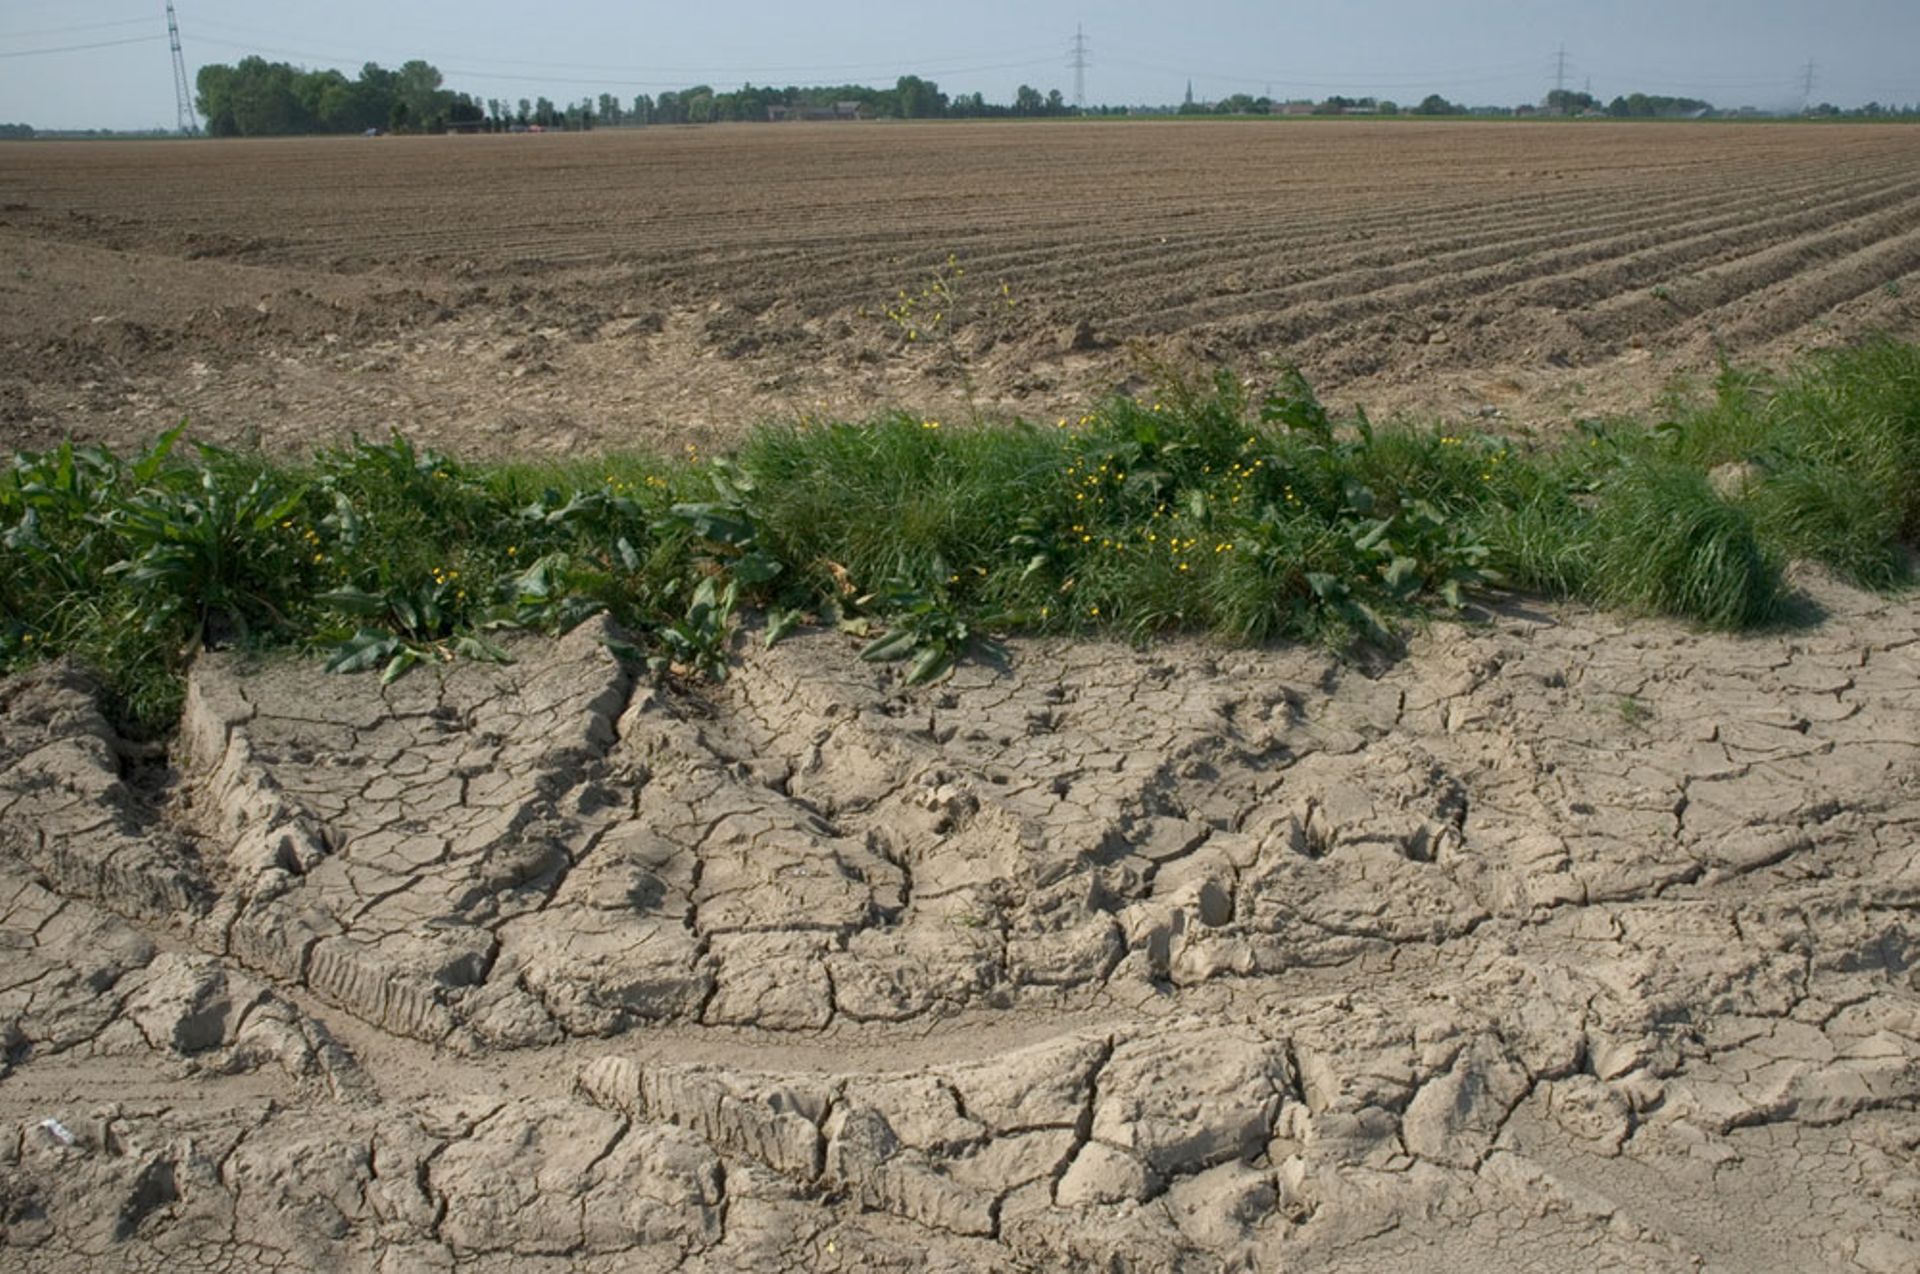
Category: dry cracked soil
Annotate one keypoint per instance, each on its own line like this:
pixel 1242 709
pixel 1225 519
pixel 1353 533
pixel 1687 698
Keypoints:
pixel 1562 943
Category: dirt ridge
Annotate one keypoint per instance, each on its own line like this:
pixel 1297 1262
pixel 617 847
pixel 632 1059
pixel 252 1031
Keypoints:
pixel 1166 959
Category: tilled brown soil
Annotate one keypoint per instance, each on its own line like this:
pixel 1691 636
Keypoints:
pixel 666 286
pixel 1563 943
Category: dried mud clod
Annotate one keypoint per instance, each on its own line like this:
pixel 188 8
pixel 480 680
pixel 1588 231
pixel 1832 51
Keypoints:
pixel 1593 936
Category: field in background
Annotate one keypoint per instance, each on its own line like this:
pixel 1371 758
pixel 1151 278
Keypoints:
pixel 540 294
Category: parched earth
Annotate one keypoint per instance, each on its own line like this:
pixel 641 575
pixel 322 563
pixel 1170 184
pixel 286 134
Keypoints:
pixel 1563 943
pixel 672 286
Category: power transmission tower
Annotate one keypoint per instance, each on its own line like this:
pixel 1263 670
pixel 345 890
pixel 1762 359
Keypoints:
pixel 1560 73
pixel 189 122
pixel 1806 89
pixel 1077 59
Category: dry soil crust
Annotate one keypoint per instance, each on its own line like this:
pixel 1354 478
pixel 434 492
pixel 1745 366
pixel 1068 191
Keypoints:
pixel 664 286
pixel 1562 942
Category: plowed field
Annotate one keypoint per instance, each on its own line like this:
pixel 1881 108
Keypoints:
pixel 543 293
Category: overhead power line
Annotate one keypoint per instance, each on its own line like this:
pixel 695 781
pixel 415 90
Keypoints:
pixel 82 48
pixel 75 30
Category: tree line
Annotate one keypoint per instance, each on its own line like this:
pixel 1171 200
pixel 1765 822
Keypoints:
pixel 1557 102
pixel 258 98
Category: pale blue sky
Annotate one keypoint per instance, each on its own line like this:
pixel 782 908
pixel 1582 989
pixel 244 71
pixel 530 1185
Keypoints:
pixel 1731 52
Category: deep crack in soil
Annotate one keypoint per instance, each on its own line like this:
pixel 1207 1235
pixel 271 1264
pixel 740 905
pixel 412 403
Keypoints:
pixel 1157 959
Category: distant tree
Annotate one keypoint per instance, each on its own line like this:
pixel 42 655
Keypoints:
pixel 1027 101
pixel 418 84
pixel 524 115
pixel 916 98
pixel 326 99
pixel 642 109
pixel 215 100
pixel 1563 101
pixel 465 110
pixel 15 132
pixel 750 103
pixel 1434 104
pixel 265 103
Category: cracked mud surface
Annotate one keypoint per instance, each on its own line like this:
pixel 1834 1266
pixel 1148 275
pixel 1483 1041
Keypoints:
pixel 1564 943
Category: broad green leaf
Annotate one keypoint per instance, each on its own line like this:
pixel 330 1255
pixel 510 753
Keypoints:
pixel 472 646
pixel 1374 534
pixel 626 652
pixel 1402 578
pixel 716 522
pixel 362 651
pixel 897 644
pixel 148 466
pixel 781 624
pixel 354 601
pixel 933 661
pixel 756 567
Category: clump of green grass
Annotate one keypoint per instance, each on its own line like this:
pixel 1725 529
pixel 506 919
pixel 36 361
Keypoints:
pixel 1665 543
pixel 1201 507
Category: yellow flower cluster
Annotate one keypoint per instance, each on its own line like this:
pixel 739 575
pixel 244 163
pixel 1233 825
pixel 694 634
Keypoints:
pixel 310 537
pixel 442 578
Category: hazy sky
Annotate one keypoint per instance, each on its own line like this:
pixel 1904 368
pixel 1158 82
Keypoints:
pixel 1731 52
